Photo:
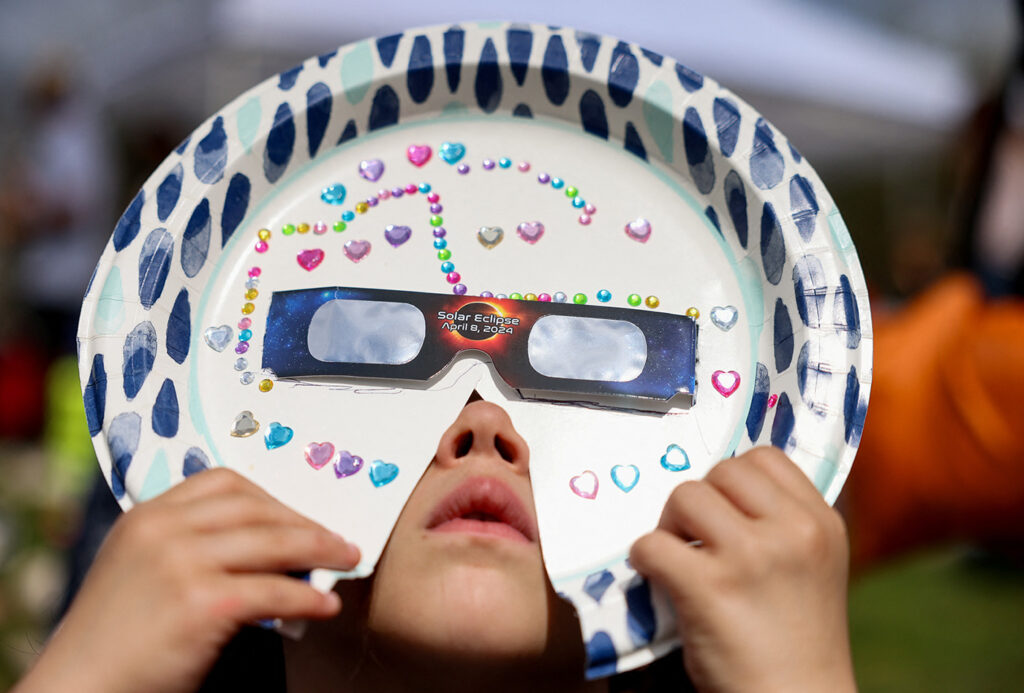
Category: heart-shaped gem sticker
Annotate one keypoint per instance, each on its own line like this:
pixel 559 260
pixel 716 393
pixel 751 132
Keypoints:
pixel 356 250
pixel 530 231
pixel 347 464
pixel 397 235
pixel 584 485
pixel 371 169
pixel 639 230
pixel 382 473
pixel 310 259
pixel 490 236
pixel 217 338
pixel 452 152
pixel 418 154
pixel 625 476
pixel 319 454
pixel 725 382
pixel 277 435
pixel 334 194
pixel 724 317
pixel 245 425
pixel 772 400
pixel 675 459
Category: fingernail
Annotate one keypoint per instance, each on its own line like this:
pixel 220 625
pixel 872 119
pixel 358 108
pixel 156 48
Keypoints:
pixel 333 601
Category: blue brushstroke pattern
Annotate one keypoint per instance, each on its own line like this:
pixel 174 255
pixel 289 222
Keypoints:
pixel 165 411
pixel 623 74
pixel 640 619
pixel 736 201
pixel 773 246
pixel 183 145
pixel 803 205
pixel 387 46
pixel 319 103
pixel 519 43
pixel 154 265
pixel 846 314
pixel 130 222
pixel 280 143
pixel 592 114
pixel 597 584
pixel 195 462
pixel 766 164
pixel 522 111
pixel 349 132
pixel 454 43
pixel 384 110
pixel 554 71
pixel 195 240
pixel 633 143
pixel 656 58
pixel 488 79
pixel 811 289
pixel 712 215
pixel 123 441
pixel 855 409
pixel 325 58
pixel 236 203
pixel 783 336
pixel 813 378
pixel 211 154
pixel 690 79
pixel 602 660
pixel 419 77
pixel 287 79
pixel 782 426
pixel 590 45
pixel 698 153
pixel 758 403
pixel 139 355
pixel 95 395
pixel 179 328
pixel 168 192
pixel 727 123
pixel 795 154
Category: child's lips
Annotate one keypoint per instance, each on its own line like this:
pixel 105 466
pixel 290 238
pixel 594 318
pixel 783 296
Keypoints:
pixel 484 506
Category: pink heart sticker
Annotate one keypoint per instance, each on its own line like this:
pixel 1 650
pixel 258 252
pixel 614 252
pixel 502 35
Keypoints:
pixel 772 400
pixel 726 382
pixel 530 231
pixel 584 485
pixel 356 250
pixel 309 260
pixel 639 230
pixel 418 154
pixel 319 454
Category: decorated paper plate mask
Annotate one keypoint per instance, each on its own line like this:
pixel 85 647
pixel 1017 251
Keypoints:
pixel 632 262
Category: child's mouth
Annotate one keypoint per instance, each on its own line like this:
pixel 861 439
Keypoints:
pixel 484 506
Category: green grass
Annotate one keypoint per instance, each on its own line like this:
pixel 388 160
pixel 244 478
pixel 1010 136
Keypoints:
pixel 939 622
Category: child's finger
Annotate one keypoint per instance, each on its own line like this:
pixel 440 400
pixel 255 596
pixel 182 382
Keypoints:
pixel 748 486
pixel 787 475
pixel 697 510
pixel 209 482
pixel 278 549
pixel 224 511
pixel 257 597
pixel 669 561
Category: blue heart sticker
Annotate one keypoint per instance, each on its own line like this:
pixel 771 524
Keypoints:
pixel 625 476
pixel 452 152
pixel 277 435
pixel 675 459
pixel 382 473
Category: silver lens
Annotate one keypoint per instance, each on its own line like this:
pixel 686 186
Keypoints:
pixel 564 346
pixel 381 332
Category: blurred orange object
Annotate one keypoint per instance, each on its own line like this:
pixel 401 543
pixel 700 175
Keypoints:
pixel 942 455
pixel 22 389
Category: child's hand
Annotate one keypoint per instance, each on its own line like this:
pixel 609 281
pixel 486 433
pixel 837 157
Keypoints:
pixel 177 578
pixel 761 603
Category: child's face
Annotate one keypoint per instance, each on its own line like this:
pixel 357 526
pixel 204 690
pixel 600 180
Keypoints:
pixel 462 573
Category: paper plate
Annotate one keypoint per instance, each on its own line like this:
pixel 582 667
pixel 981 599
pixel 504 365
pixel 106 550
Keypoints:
pixel 481 160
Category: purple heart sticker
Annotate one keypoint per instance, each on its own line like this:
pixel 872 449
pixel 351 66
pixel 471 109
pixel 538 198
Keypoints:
pixel 347 464
pixel 356 250
pixel 530 231
pixel 397 235
pixel 371 169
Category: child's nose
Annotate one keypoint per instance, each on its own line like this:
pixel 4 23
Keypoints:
pixel 483 430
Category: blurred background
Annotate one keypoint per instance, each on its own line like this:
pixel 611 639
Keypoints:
pixel 912 112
